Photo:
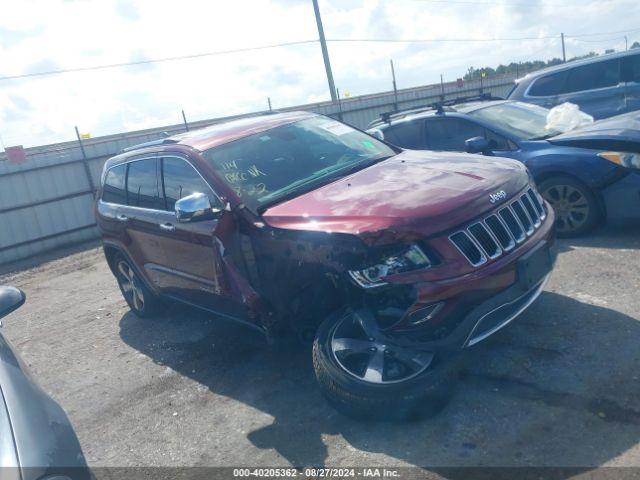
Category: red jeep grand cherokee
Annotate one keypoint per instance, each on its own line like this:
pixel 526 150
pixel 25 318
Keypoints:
pixel 392 260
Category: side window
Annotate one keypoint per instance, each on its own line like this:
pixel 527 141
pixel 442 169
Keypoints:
pixel 180 179
pixel 631 68
pixel 451 133
pixel 142 184
pixel 406 134
pixel 595 75
pixel 497 142
pixel 548 85
pixel 113 190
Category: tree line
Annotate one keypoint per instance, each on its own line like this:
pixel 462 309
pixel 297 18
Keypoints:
pixel 520 68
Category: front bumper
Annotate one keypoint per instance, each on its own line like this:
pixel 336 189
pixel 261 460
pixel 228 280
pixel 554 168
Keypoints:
pixel 479 304
pixel 622 200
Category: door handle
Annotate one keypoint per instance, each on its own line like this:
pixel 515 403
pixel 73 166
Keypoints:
pixel 167 227
pixel 122 217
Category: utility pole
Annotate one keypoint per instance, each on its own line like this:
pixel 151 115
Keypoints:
pixel 184 119
pixel 395 87
pixel 442 87
pixel 626 44
pixel 564 55
pixel 325 52
pixel 85 163
pixel 269 102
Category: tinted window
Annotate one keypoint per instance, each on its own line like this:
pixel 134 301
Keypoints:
pixel 451 133
pixel 113 189
pixel 595 75
pixel 142 184
pixel 180 179
pixel 548 85
pixel 631 68
pixel 406 135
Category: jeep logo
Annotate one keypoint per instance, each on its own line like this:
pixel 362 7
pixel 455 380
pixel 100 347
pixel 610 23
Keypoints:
pixel 496 197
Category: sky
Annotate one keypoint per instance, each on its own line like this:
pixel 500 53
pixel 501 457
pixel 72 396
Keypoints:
pixel 39 36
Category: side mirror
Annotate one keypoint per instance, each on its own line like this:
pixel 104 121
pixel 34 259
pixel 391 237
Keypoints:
pixel 195 208
pixel 11 298
pixel 477 145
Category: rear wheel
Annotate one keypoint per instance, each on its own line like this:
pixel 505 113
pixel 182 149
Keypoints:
pixel 364 373
pixel 142 301
pixel 576 207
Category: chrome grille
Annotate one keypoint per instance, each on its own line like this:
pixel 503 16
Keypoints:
pixel 537 204
pixel 524 219
pixel 486 240
pixel 469 248
pixel 500 231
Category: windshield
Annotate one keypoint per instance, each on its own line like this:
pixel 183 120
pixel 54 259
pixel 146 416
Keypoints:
pixel 267 167
pixel 523 120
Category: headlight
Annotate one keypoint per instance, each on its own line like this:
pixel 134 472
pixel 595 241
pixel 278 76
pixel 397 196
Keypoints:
pixel 625 159
pixel 412 258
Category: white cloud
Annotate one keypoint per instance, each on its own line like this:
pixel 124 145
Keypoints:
pixel 51 34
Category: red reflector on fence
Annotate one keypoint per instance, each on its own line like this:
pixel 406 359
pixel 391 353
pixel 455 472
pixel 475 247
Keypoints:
pixel 16 154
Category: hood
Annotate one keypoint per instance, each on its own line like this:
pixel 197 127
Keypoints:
pixel 415 191
pixel 610 133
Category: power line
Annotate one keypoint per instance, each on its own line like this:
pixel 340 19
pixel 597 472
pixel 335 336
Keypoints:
pixel 489 2
pixel 304 42
pixel 434 40
pixel 599 40
pixel 603 33
pixel 155 60
pixel 470 2
pixel 505 39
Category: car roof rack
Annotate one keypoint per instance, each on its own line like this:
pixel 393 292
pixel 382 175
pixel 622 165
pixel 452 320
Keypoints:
pixel 470 98
pixel 439 107
pixel 152 143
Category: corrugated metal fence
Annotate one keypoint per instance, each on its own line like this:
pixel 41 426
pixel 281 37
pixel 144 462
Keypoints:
pixel 46 202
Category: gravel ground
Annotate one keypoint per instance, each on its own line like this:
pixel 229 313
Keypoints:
pixel 558 387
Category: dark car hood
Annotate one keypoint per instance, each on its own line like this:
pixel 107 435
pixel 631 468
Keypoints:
pixel 42 432
pixel 624 129
pixel 415 191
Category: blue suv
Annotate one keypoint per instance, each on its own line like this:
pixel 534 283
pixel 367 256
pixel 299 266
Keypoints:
pixel 601 86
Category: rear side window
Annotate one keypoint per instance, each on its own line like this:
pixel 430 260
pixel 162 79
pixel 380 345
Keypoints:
pixel 592 76
pixel 179 180
pixel 406 135
pixel 113 190
pixel 631 68
pixel 548 85
pixel 142 184
pixel 451 133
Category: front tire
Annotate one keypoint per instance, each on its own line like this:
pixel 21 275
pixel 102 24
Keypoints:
pixel 379 390
pixel 142 301
pixel 575 205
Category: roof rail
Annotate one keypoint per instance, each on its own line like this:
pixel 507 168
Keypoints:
pixel 439 107
pixel 386 117
pixel 470 98
pixel 152 143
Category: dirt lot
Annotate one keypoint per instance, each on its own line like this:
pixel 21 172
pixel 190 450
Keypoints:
pixel 560 386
